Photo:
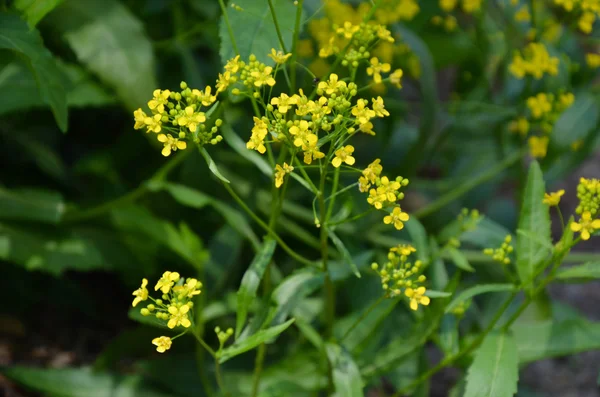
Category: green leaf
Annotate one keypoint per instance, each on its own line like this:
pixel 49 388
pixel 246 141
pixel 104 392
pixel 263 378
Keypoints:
pixel 339 244
pixel 35 10
pixel 254 30
pixel 494 371
pixel 449 334
pixel 576 122
pixel 212 166
pixel 250 282
pixel 459 260
pixel 537 341
pixel 110 41
pixel 346 376
pixel 477 290
pixel 437 294
pixel 262 336
pixel 585 272
pixel 487 234
pixel 31 205
pixel 292 290
pixel 16 36
pixel 418 235
pixel 81 382
pixel 534 219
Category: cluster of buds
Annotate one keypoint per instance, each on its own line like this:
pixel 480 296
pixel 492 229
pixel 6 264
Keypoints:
pixel 502 253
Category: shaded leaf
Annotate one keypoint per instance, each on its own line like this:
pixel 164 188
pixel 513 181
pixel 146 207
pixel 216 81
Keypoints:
pixel 534 220
pixel 31 205
pixel 339 244
pixel 494 371
pixel 576 122
pixel 477 290
pixel 212 166
pixel 292 290
pixel 35 10
pixel 16 36
pixel 250 282
pixel 346 376
pixel 418 235
pixel 262 336
pixel 459 259
pixel 585 272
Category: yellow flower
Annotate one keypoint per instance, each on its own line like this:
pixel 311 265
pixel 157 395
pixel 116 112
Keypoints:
pixel 535 61
pixel 162 343
pixel 592 60
pixel 377 68
pixel 154 123
pixel 140 119
pixel 397 218
pixel 264 77
pixel 179 317
pixel 538 146
pixel 520 125
pixel 190 289
pixel 388 188
pixel 586 225
pixel 204 96
pixel 395 78
pixel 312 152
pixel 448 5
pixel 378 107
pixel 417 297
pixel 586 22
pixel 566 100
pixel 159 101
pixel 539 105
pixel 343 155
pixel 373 171
pixel 259 133
pixel 376 199
pixel 347 30
pixel 332 86
pixel 234 65
pixel 280 173
pixel 190 119
pixel 223 81
pixel 552 199
pixel 470 6
pixel 141 294
pixel 367 128
pixel 166 282
pixel 522 15
pixel 300 133
pixel 284 102
pixel 278 56
pixel 170 144
pixel 361 111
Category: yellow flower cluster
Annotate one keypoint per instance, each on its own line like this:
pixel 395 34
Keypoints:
pixel 449 21
pixel 501 254
pixel 384 193
pixel 174 307
pixel 468 219
pixel 586 225
pixel 593 60
pixel 252 75
pixel 179 113
pixel 587 12
pixel 588 193
pixel 398 274
pixel 534 60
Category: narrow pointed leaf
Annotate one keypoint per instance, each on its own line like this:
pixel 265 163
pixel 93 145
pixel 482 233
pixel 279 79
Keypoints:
pixel 212 166
pixel 477 290
pixel 585 272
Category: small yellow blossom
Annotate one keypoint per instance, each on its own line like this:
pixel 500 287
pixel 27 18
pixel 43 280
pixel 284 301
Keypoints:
pixel 159 101
pixel 278 56
pixel 448 5
pixel 312 152
pixel 552 199
pixel 166 282
pixel 520 125
pixel 586 225
pixel 284 102
pixel 377 68
pixel 140 119
pixel 347 30
pixel 534 60
pixel 586 21
pixel 333 85
pixel 373 170
pixel 396 78
pixel 205 96
pixel 417 297
pixel 378 107
pixel 234 65
pixel 259 133
pixel 141 294
pixel 162 343
pixel 170 144
pixel 397 218
pixel 263 77
pixel 592 60
pixel 538 146
pixel 223 81
pixel 179 316
pixel 539 105
pixel 362 112
pixel 522 15
pixel 280 173
pixel 344 155
pixel 190 289
pixel 388 188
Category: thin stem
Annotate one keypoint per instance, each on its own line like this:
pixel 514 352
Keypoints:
pixel 362 317
pixel 258 366
pixel 266 227
pixel 279 36
pixel 205 345
pixel 352 219
pixel 301 167
pixel 293 62
pixel 229 29
pixel 468 186
pixel 219 377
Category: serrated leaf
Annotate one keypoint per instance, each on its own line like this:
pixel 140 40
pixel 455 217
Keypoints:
pixel 110 41
pixel 339 244
pixel 292 290
pixel 254 30
pixel 477 290
pixel 250 282
pixel 494 371
pixel 81 382
pixel 459 259
pixel 576 122
pixel 35 10
pixel 537 341
pixel 346 376
pixel 262 336
pixel 16 36
pixel 534 219
pixel 585 272
pixel 212 166
pixel 31 205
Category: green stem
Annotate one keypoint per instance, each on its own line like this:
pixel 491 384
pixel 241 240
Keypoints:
pixel 352 219
pixel 468 186
pixel 266 227
pixel 293 62
pixel 205 345
pixel 362 317
pixel 219 377
pixel 258 366
pixel 229 29
pixel 279 36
